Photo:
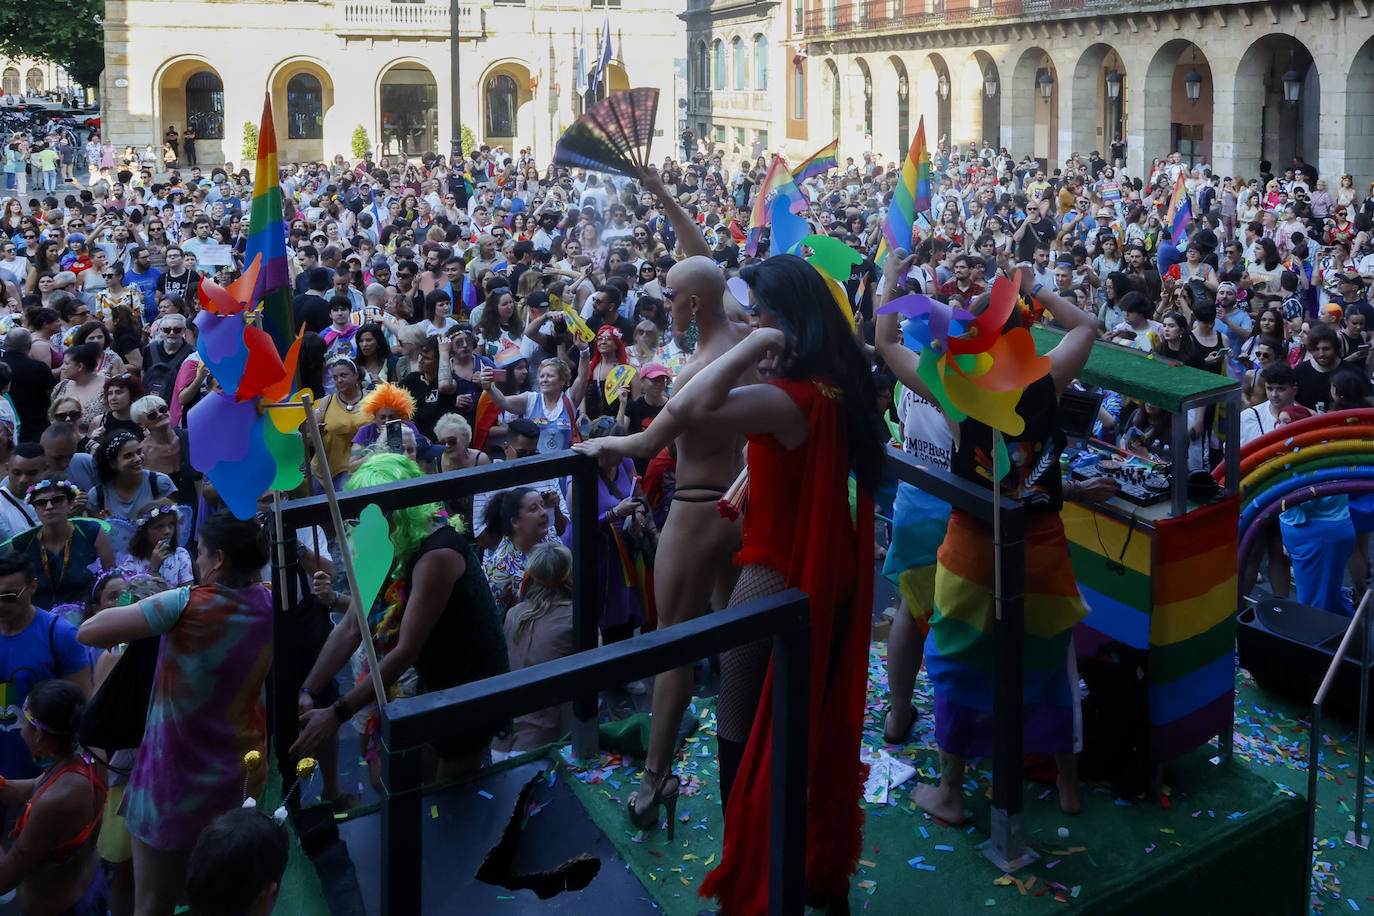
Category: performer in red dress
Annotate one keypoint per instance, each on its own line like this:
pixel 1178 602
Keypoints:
pixel 808 429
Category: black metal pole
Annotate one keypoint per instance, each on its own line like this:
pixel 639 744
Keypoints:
pixel 455 84
pixel 402 821
pixel 1005 830
pixel 787 817
pixel 586 613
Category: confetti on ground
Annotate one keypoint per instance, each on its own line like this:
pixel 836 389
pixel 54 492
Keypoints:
pixel 485 794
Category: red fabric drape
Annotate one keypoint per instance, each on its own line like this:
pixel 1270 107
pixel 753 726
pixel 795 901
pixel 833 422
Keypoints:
pixel 832 561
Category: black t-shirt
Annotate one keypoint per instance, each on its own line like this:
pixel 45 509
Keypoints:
pixel 187 286
pixel 639 413
pixel 726 255
pixel 1036 234
pixel 627 328
pixel 430 403
pixel 1033 478
pixel 1314 385
pixel 857 273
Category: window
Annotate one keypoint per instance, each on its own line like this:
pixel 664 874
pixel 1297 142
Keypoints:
pixel 719 133
pixel 741 65
pixel 798 92
pixel 760 62
pixel 10 84
pixel 761 136
pixel 604 4
pixel 205 105
pixel 35 80
pixel 718 64
pixel 739 136
pixel 501 102
pixel 703 67
pixel 304 108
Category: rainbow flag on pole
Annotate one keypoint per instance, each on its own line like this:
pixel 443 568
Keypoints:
pixel 267 240
pixel 822 161
pixel 911 197
pixel 777 181
pixel 1180 211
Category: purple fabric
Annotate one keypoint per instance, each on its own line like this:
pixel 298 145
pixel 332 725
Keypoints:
pixel 620 602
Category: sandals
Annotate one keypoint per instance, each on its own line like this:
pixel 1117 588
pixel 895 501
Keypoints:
pixel 905 735
pixel 666 788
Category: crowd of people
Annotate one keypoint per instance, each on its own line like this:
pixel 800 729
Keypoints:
pixel 459 314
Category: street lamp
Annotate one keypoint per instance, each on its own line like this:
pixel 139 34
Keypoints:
pixel 1046 83
pixel 455 87
pixel 1292 82
pixel 902 87
pixel 990 82
pixel 1192 84
pixel 1113 84
pixel 942 86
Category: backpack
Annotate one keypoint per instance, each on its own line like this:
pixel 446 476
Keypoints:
pixel 160 370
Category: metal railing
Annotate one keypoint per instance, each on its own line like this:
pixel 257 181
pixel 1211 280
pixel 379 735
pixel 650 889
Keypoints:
pixel 408 723
pixel 428 16
pixel 1358 836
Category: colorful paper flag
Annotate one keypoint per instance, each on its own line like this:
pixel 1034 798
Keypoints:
pixel 821 161
pixel 267 240
pixel 777 182
pixel 911 197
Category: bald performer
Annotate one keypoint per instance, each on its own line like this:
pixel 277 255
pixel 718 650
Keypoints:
pixel 694 564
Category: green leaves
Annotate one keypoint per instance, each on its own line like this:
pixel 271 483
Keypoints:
pixel 67 32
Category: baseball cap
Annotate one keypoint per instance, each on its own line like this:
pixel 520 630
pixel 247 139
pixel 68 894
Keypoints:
pixel 655 370
pixel 1350 276
pixel 537 300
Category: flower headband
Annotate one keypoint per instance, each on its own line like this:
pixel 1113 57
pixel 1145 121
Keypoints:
pixel 28 714
pixel 157 511
pixel 611 330
pixel 70 488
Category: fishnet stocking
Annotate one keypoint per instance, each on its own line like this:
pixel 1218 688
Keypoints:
pixel 742 670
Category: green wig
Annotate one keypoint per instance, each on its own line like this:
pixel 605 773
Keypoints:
pixel 411 525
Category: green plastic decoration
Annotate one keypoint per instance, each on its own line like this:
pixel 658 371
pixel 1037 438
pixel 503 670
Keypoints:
pixel 372 554
pixel 831 256
pixel 288 452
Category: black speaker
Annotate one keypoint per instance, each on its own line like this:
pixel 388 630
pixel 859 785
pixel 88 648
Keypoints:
pixel 1288 647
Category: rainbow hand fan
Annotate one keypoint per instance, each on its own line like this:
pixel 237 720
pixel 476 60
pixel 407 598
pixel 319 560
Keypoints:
pixel 614 135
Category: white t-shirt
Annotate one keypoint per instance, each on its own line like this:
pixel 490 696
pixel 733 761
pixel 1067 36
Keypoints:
pixel 926 435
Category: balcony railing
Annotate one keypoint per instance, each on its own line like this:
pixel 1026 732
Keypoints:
pixel 883 14
pixel 431 17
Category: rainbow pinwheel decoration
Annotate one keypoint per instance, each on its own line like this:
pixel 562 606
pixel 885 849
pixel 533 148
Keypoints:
pixel 969 364
pixel 242 438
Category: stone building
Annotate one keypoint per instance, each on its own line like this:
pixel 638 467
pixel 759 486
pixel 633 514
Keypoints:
pixel 1228 84
pixel 333 65
pixel 30 76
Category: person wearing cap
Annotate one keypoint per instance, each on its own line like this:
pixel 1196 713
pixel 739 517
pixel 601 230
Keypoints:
pixel 76 258
pixel 1350 296
pixel 643 410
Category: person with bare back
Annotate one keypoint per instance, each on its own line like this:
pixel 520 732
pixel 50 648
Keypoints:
pixel 694 568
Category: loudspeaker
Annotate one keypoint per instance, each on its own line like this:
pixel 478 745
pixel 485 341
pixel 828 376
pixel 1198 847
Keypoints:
pixel 1288 647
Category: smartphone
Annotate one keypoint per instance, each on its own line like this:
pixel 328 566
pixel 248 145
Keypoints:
pixel 1126 335
pixel 498 375
pixel 393 436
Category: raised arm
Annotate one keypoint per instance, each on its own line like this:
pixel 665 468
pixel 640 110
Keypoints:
pixel 689 237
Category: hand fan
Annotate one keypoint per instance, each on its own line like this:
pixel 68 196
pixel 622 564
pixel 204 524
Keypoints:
pixel 613 135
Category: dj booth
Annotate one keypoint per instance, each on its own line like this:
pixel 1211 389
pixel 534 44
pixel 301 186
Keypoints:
pixel 1156 564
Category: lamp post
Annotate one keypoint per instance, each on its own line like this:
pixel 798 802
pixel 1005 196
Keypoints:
pixel 1292 82
pixel 1192 84
pixel 455 86
pixel 1113 84
pixel 942 86
pixel 990 82
pixel 1046 84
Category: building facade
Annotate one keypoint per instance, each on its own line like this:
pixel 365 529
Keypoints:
pixel 334 65
pixel 30 77
pixel 1228 84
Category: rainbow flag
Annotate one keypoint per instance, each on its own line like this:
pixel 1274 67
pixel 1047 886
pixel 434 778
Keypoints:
pixel 267 240
pixel 822 161
pixel 1180 211
pixel 777 181
pixel 912 196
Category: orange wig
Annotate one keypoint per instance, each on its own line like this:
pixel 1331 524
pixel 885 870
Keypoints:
pixel 388 395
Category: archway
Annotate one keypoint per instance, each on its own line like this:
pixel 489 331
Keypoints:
pixel 903 83
pixel 863 100
pixel 1177 105
pixel 1098 101
pixel 832 87
pixel 9 84
pixel 408 110
pixel 1272 71
pixel 302 97
pixel 1359 119
pixel 507 109
pixel 1034 97
pixel 33 80
pixel 981 112
pixel 189 90
pixel 934 90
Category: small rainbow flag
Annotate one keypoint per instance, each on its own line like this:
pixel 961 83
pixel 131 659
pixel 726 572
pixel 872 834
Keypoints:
pixel 911 197
pixel 822 161
pixel 777 181
pixel 1180 211
pixel 487 415
pixel 267 240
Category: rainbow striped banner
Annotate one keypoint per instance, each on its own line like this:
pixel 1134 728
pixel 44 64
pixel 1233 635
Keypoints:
pixel 822 161
pixel 777 181
pixel 267 240
pixel 911 197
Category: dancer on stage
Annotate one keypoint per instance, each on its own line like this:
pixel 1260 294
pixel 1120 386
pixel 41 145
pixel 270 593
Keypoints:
pixel 807 429
pixel 959 650
pixel 693 570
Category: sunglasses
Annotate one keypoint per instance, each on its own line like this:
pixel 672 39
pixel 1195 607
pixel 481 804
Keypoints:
pixel 175 329
pixel 13 597
pixel 107 277
pixel 42 502
pixel 68 416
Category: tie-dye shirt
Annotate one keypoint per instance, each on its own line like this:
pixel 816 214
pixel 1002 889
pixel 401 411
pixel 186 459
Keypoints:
pixel 206 711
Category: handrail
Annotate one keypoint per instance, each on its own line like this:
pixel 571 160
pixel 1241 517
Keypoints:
pixel 409 722
pixel 1357 837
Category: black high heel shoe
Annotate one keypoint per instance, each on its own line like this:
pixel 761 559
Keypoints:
pixel 666 788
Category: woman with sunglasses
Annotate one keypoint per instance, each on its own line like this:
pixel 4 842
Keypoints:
pixel 62 549
pixel 166 450
pixel 54 863
pixel 81 381
pixel 66 410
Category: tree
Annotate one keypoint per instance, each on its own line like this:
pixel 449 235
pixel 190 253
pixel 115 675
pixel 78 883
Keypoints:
pixel 67 32
pixel 467 139
pixel 250 141
pixel 361 145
